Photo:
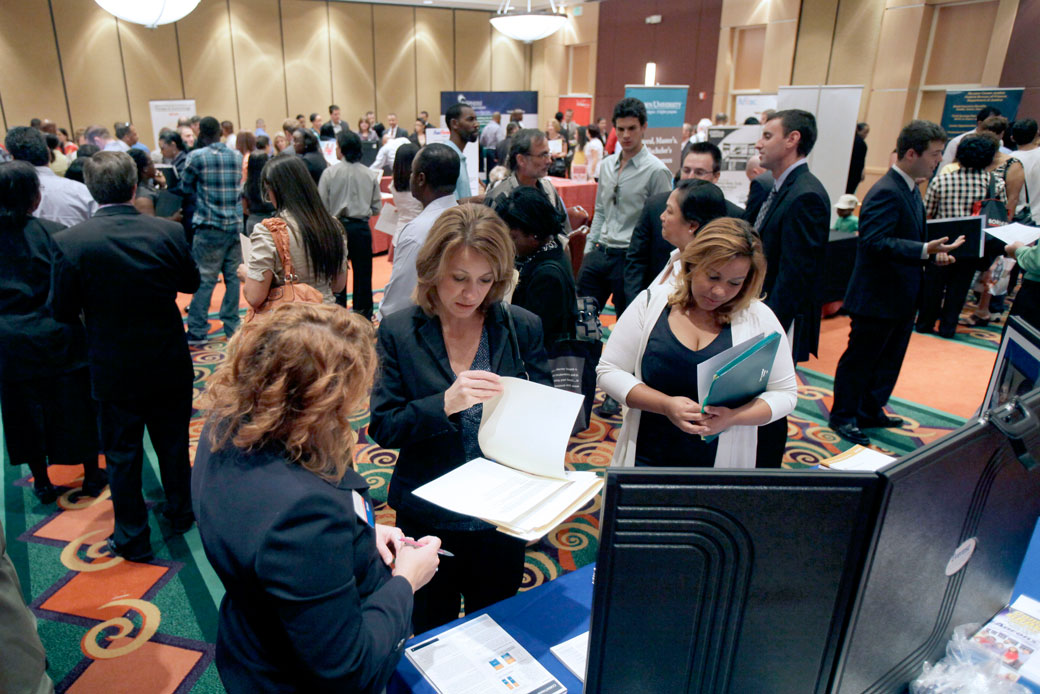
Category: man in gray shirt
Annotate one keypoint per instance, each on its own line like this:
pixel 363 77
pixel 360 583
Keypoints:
pixel 435 171
pixel 350 192
pixel 62 200
pixel 626 179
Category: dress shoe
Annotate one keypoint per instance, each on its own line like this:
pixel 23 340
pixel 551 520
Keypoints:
pixel 610 407
pixel 850 432
pixel 94 484
pixel 179 524
pixel 46 493
pixel 881 422
pixel 140 556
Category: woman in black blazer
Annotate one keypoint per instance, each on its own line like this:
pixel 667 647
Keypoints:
pixel 311 603
pixel 439 361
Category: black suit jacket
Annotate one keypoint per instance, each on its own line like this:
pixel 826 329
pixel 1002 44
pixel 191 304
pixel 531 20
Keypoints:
pixel 794 235
pixel 886 280
pixel 408 397
pixel 401 132
pixel 329 133
pixel 310 606
pixel 758 191
pixel 123 270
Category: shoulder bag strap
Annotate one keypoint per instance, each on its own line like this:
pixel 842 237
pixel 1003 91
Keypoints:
pixel 513 339
pixel 280 233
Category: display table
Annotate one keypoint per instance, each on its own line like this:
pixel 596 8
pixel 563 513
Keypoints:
pixel 538 619
pixel 559 610
pixel 840 258
pixel 576 193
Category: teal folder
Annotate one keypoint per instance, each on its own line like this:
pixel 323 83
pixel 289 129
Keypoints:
pixel 744 377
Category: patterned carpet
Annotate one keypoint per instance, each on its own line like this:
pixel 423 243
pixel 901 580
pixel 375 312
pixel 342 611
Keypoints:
pixel 115 626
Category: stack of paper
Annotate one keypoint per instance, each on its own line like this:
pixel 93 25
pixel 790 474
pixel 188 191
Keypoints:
pixel 479 657
pixel 859 458
pixel 528 491
pixel 1009 233
pixel 574 653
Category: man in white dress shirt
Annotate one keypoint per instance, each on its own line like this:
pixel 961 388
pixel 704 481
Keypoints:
pixel 62 200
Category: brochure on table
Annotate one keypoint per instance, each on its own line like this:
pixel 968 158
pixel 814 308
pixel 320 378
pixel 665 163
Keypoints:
pixel 1013 635
pixel 574 654
pixel 479 657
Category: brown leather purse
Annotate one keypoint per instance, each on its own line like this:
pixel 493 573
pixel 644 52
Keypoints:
pixel 293 290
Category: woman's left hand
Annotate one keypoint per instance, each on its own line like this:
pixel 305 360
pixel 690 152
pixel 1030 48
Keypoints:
pixel 386 539
pixel 160 180
pixel 718 420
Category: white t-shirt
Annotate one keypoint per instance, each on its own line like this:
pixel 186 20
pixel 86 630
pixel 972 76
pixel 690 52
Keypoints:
pixel 1031 165
pixel 594 145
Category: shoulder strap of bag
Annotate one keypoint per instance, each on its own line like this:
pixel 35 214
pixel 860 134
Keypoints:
pixel 513 340
pixel 991 189
pixel 280 233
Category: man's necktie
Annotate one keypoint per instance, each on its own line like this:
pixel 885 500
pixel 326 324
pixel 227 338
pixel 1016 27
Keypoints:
pixel 762 211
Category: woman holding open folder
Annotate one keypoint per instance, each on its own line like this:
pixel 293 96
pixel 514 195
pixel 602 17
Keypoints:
pixel 439 361
pixel 650 361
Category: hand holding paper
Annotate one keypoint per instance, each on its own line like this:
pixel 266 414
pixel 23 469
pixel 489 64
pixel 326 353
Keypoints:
pixel 684 413
pixel 470 388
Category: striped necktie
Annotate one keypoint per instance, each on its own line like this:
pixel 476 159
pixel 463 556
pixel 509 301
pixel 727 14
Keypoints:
pixel 764 210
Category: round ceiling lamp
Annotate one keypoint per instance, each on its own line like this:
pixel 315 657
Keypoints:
pixel 528 26
pixel 150 13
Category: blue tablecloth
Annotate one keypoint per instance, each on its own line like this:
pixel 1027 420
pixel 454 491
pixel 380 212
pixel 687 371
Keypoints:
pixel 538 619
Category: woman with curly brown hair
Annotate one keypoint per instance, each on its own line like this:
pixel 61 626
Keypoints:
pixel 312 603
pixel 650 361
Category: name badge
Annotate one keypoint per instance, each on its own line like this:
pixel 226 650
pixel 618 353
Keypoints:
pixel 364 509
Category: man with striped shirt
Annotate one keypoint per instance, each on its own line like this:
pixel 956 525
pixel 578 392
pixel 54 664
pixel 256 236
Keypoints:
pixel 212 174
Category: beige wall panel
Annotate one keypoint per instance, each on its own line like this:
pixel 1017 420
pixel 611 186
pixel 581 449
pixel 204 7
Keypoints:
pixel 472 50
pixel 583 29
pixel 353 64
pixel 902 3
pixel 869 179
pixel 856 36
pixel 257 41
pixel 305 32
pixel 737 13
pixel 931 107
pixel 146 77
pixel 508 63
pixel 434 58
pixel 750 44
pixel 89 49
pixel 30 81
pixel 779 49
pixel 205 41
pixel 958 56
pixel 999 40
pixel 784 10
pixel 815 37
pixel 581 70
pixel 897 47
pixel 723 67
pixel 885 118
pixel 395 62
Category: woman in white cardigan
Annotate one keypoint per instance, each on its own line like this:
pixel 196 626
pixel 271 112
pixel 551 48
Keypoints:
pixel 649 363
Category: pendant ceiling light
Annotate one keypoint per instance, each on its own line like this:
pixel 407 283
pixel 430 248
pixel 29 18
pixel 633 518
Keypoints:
pixel 527 26
pixel 151 13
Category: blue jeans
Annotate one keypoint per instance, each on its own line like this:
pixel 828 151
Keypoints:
pixel 215 251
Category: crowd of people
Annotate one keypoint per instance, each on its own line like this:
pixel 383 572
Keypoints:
pixel 481 288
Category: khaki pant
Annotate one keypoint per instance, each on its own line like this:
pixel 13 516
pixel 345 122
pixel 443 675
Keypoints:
pixel 24 661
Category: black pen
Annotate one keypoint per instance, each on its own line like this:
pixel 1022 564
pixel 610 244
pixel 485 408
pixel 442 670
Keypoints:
pixel 413 543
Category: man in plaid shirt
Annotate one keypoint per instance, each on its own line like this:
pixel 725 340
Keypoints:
pixel 213 174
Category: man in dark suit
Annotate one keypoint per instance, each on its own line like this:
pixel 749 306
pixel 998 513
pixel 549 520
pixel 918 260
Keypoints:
pixel 123 270
pixel 793 220
pixel 334 126
pixel 886 282
pixel 648 251
pixel 391 128
pixel 761 182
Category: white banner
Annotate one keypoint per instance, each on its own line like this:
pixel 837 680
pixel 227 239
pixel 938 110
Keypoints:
pixel 837 111
pixel 166 113
pixel 752 105
pixel 737 143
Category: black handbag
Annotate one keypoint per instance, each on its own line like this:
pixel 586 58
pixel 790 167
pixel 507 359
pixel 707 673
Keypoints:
pixel 995 211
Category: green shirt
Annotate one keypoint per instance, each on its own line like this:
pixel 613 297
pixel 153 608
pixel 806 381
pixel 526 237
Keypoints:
pixel 1029 258
pixel 850 223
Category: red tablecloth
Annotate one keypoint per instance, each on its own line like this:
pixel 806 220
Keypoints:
pixel 381 241
pixel 576 193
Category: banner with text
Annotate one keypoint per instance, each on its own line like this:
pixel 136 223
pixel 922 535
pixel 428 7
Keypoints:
pixel 737 144
pixel 581 104
pixel 665 110
pixel 166 112
pixel 486 103
pixel 962 106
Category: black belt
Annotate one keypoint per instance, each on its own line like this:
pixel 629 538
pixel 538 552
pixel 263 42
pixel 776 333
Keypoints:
pixel 359 220
pixel 608 250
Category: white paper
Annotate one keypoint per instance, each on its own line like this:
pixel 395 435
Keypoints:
pixel 528 426
pixel 707 369
pixel 479 657
pixel 1028 605
pixel 860 458
pixel 573 653
pixel 490 491
pixel 387 220
pixel 555 146
pixel 1009 233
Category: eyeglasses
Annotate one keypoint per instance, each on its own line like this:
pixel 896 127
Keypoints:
pixel 540 155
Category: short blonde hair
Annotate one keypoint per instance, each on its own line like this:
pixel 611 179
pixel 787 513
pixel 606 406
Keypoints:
pixel 717 243
pixel 292 378
pixel 465 226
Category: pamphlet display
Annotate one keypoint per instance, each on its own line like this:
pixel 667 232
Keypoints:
pixel 1013 636
pixel 479 657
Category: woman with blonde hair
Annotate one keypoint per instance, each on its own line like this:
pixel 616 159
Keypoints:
pixel 312 603
pixel 439 361
pixel 650 361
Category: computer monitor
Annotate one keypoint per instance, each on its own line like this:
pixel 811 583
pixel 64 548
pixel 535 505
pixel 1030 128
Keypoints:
pixel 1017 368
pixel 725 580
pixel 814 581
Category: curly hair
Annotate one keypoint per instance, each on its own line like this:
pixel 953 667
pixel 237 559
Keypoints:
pixel 292 379
pixel 464 226
pixel 717 243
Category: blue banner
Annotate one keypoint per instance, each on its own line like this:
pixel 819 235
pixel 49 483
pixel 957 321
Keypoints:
pixel 665 106
pixel 486 103
pixel 961 107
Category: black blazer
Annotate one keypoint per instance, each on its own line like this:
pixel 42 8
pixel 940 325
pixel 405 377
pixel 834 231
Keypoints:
pixel 310 605
pixel 408 397
pixel 546 289
pixel 123 269
pixel 886 280
pixel 328 132
pixel 794 235
pixel 315 163
pixel 758 191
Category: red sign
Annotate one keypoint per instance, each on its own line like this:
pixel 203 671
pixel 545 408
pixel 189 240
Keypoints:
pixel 581 105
